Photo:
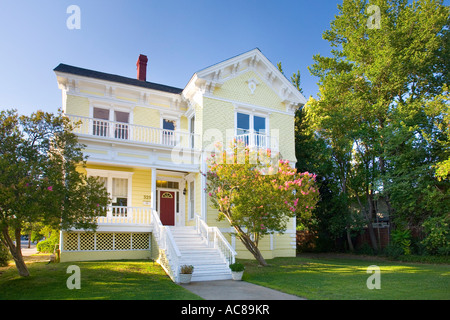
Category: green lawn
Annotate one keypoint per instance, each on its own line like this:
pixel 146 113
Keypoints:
pixel 313 277
pixel 345 279
pixel 100 280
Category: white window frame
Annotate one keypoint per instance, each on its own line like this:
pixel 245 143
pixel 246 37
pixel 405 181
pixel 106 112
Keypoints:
pixel 109 175
pixel 252 113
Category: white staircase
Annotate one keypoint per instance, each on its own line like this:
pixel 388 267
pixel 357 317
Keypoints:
pixel 208 260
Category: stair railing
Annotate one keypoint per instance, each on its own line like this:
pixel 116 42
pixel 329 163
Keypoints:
pixel 169 254
pixel 215 239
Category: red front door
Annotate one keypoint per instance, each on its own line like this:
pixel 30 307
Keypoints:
pixel 167 208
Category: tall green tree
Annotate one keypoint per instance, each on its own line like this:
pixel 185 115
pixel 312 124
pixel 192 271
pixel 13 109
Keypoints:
pixel 39 180
pixel 377 73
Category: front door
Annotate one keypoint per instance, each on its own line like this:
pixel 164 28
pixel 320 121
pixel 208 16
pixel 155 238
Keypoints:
pixel 167 208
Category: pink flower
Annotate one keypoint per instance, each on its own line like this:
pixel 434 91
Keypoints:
pixel 210 194
pixel 295 202
pixel 50 188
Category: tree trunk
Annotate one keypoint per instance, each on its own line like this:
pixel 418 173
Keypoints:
pixel 373 239
pixel 349 240
pixel 16 251
pixel 250 245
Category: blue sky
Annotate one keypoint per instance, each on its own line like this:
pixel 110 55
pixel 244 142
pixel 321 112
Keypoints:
pixel 179 38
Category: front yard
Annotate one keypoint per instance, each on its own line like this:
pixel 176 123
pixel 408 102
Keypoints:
pixel 311 277
pixel 344 277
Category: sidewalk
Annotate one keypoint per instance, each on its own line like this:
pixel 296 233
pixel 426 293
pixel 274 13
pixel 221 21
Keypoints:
pixel 26 252
pixel 235 290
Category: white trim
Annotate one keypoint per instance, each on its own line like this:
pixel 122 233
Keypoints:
pixel 240 104
pixel 110 174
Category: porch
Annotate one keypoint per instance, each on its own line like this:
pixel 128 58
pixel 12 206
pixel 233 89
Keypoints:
pixel 138 233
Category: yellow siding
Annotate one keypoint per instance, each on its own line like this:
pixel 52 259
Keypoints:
pixel 218 117
pixel 78 106
pixel 146 117
pixel 237 89
pixel 142 185
pixel 284 123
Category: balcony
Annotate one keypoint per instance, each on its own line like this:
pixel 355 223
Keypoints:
pixel 120 131
pixel 258 141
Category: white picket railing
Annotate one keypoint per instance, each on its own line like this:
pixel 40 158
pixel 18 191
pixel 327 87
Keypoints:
pixel 258 141
pixel 126 215
pixel 215 239
pixel 132 132
pixel 169 253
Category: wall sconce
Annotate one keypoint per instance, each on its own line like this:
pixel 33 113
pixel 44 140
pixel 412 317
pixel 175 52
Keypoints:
pixel 184 191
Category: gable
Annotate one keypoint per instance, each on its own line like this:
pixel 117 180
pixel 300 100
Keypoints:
pixel 236 74
pixel 249 88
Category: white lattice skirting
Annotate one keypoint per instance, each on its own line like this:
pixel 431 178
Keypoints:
pixel 105 241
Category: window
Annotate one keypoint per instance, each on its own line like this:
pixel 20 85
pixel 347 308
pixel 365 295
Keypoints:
pixel 102 124
pixel 191 200
pixel 118 185
pixel 168 132
pixel 251 129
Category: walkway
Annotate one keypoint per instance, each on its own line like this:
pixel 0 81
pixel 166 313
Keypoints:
pixel 236 290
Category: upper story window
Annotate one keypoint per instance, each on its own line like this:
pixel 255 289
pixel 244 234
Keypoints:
pixel 248 123
pixel 110 123
pixel 252 129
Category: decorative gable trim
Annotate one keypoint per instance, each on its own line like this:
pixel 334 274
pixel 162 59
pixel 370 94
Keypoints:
pixel 207 80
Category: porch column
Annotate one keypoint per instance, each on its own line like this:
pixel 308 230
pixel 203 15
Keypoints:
pixel 154 189
pixel 202 190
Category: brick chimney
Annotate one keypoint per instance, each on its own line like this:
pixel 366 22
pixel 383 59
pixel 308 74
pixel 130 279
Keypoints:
pixel 142 67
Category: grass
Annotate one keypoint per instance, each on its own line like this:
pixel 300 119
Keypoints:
pixel 316 277
pixel 100 280
pixel 334 278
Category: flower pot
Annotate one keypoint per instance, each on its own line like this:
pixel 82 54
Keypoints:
pixel 237 275
pixel 185 277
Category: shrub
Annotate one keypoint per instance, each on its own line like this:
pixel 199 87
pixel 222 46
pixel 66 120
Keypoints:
pixel 186 269
pixel 5 256
pixel 437 239
pixel 48 245
pixel 402 239
pixel 237 267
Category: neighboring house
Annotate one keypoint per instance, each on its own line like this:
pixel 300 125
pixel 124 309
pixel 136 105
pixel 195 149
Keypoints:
pixel 147 143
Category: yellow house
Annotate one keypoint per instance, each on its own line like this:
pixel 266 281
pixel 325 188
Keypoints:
pixel 148 143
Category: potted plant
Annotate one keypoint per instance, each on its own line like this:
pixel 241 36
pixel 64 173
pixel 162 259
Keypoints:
pixel 186 273
pixel 237 270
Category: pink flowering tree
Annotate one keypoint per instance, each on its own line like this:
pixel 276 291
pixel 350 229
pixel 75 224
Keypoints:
pixel 257 193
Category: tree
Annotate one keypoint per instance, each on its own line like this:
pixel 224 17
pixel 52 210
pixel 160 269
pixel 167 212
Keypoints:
pixel 39 180
pixel 257 193
pixel 375 78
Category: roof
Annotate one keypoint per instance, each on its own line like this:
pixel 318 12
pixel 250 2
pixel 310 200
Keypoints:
pixel 115 78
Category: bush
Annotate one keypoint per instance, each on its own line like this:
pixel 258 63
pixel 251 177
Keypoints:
pixel 48 245
pixel 402 239
pixel 437 239
pixel 5 256
pixel 237 267
pixel 186 269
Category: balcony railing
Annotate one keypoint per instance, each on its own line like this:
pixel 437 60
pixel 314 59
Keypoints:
pixel 132 132
pixel 126 215
pixel 258 141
